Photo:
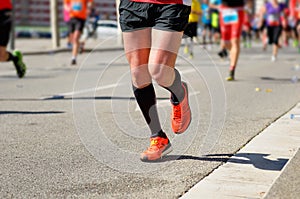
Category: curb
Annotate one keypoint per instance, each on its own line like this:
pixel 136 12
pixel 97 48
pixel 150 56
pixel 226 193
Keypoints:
pixel 252 171
pixel 281 188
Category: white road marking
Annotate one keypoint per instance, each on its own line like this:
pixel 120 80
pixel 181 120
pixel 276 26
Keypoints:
pixel 191 70
pixel 67 94
pixel 62 95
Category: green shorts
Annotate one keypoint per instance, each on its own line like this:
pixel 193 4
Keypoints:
pixel 137 15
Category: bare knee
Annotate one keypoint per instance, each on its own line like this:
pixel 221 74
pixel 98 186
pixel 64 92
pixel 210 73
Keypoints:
pixel 140 76
pixel 162 74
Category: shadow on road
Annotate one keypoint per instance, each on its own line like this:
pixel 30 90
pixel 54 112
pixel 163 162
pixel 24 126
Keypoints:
pixel 258 160
pixel 277 80
pixel 30 112
pixel 61 97
pixel 98 98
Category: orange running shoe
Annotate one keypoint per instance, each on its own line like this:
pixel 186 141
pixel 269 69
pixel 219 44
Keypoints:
pixel 158 147
pixel 181 113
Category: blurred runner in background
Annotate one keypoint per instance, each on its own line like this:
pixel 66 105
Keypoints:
pixel 190 33
pixel 66 14
pixel 5 30
pixel 206 21
pixel 274 12
pixel 231 20
pixel 89 29
pixel 294 19
pixel 79 10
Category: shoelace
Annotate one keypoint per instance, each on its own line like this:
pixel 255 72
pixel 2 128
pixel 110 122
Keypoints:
pixel 177 113
pixel 154 145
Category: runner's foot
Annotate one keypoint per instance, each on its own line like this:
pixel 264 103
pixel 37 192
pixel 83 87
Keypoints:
pixel 231 76
pixel 73 62
pixel 159 147
pixel 181 113
pixel 19 65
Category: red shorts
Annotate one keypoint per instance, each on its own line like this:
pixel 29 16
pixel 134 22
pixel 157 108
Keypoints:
pixel 231 21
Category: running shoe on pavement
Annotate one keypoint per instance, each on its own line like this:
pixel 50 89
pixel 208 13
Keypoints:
pixel 73 62
pixel 159 147
pixel 231 76
pixel 186 50
pixel 181 113
pixel 19 65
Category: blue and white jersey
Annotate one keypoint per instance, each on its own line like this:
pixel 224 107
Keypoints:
pixel 205 13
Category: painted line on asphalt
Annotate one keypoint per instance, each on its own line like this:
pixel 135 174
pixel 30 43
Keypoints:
pixel 251 172
pixel 68 94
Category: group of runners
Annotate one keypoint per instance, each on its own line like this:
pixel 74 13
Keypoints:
pixel 233 22
pixel 152 35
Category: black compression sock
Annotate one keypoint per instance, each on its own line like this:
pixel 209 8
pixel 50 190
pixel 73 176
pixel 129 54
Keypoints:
pixel 146 100
pixel 176 89
pixel 159 134
pixel 12 58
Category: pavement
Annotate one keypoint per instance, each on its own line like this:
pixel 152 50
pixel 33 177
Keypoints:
pixel 44 46
pixel 67 131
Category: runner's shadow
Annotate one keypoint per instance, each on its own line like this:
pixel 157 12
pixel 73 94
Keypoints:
pixel 275 79
pixel 258 160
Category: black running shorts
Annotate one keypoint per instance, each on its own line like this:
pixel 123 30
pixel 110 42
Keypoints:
pixel 274 33
pixel 207 27
pixel 136 16
pixel 191 29
pixel 5 26
pixel 76 24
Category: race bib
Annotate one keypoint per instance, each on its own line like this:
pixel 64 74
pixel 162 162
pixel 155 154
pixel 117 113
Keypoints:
pixel 273 18
pixel 207 14
pixel 292 22
pixel 230 16
pixel 77 6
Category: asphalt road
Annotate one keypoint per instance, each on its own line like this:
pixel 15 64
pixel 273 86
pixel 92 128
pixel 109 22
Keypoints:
pixel 76 131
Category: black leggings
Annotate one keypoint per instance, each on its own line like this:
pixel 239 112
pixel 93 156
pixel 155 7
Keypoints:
pixel 5 26
pixel 274 33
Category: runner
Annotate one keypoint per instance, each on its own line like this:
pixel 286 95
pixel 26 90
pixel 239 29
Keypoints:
pixel 79 10
pixel 254 26
pixel 263 25
pixel 89 29
pixel 286 28
pixel 231 20
pixel 294 19
pixel 273 10
pixel 191 30
pixel 206 20
pixel 5 27
pixel 66 14
pixel 215 23
pixel 247 35
pixel 152 33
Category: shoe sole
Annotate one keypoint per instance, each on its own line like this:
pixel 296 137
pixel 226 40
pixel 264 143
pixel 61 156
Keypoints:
pixel 229 79
pixel 168 150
